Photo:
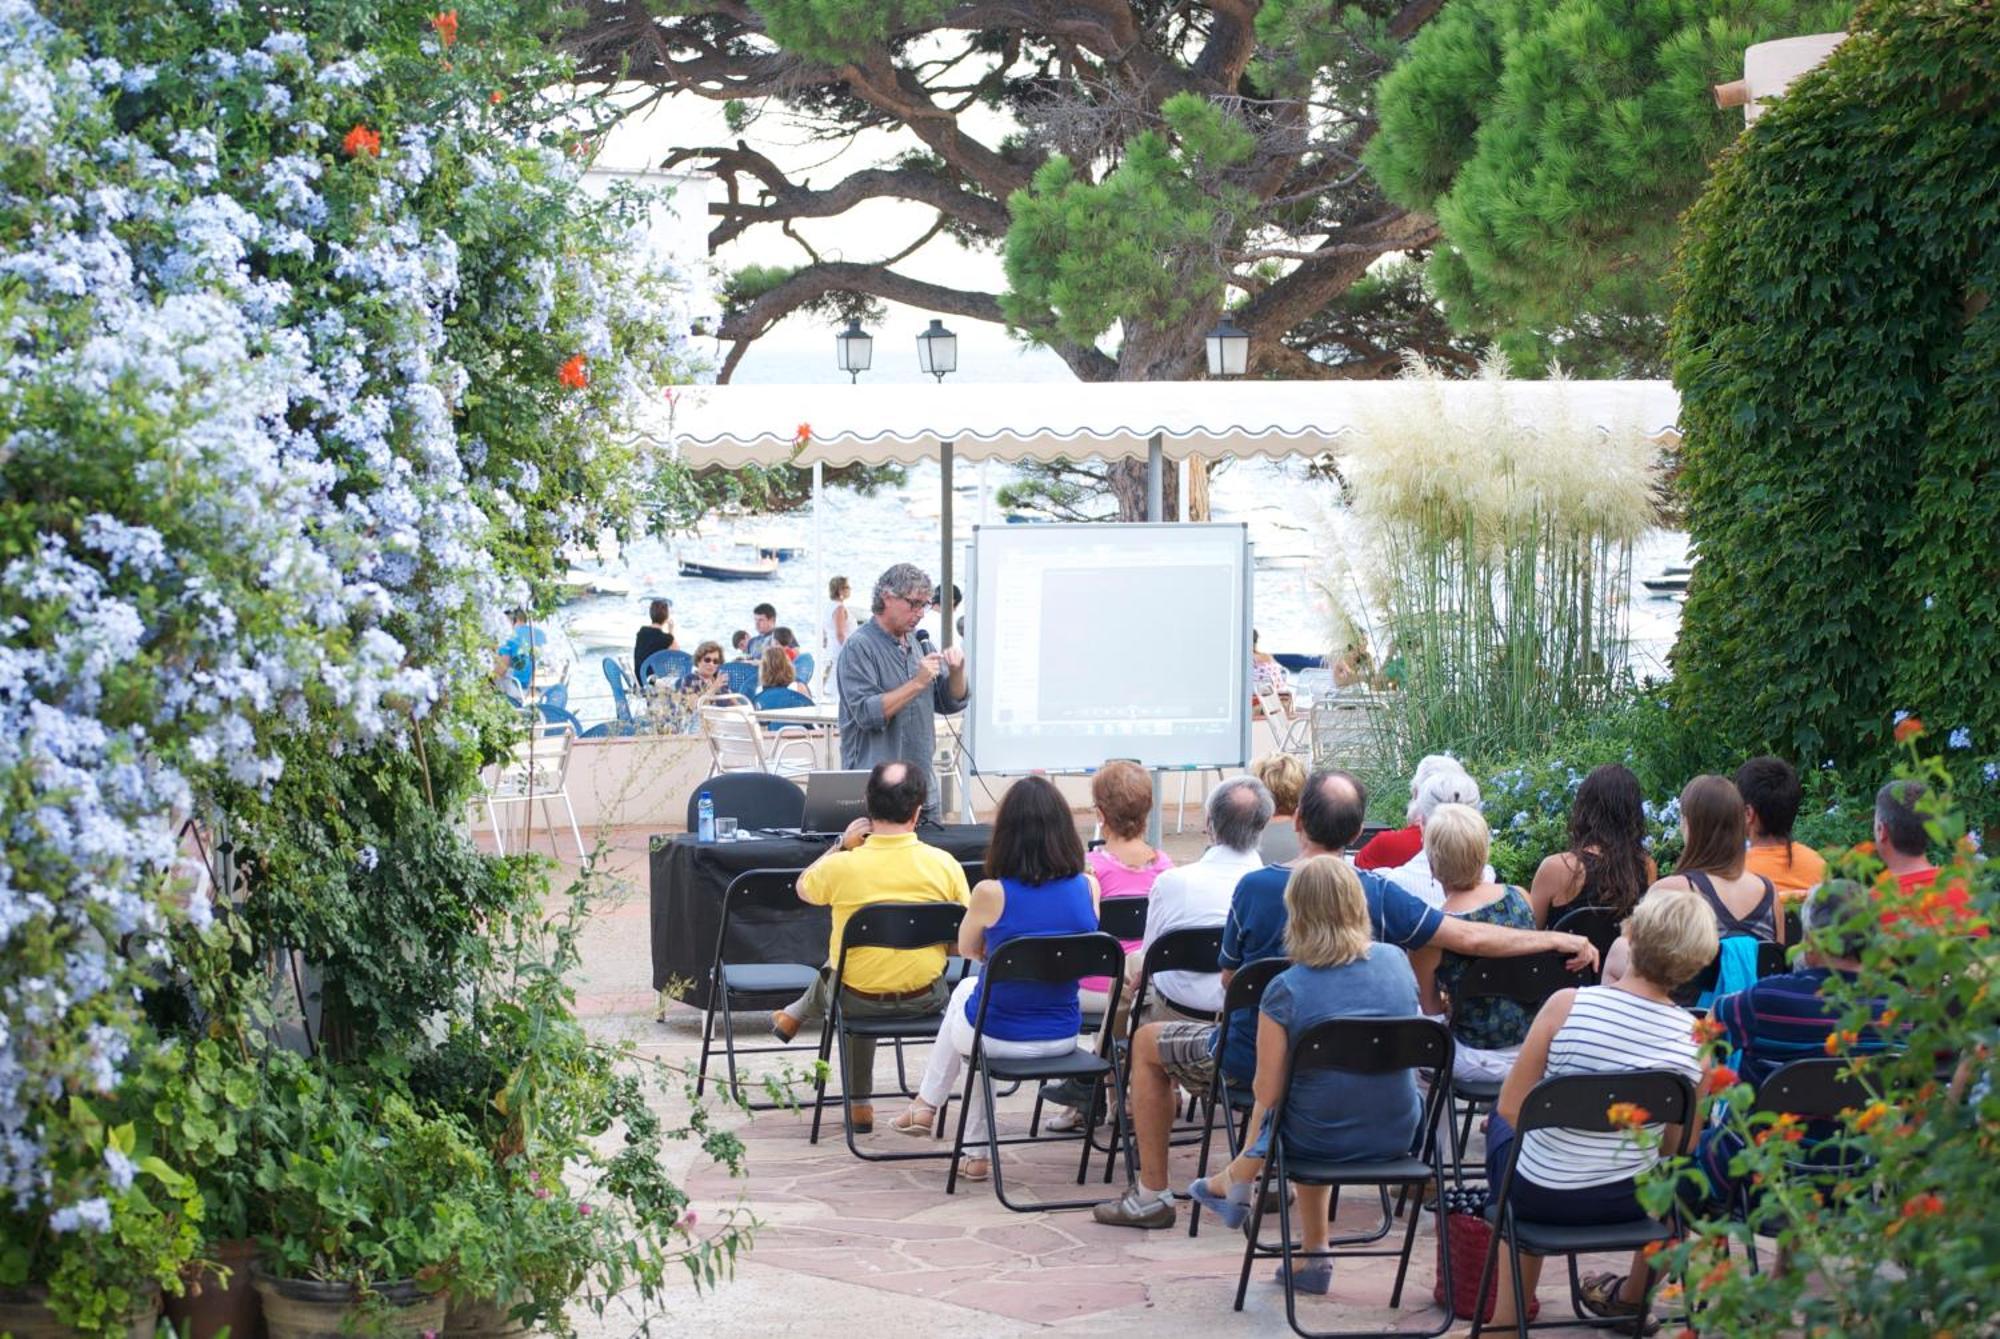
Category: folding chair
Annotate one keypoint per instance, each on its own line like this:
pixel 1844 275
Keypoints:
pixel 1691 995
pixel 1810 1090
pixel 734 985
pixel 1246 991
pixel 535 771
pixel 1579 1102
pixel 1189 950
pixel 1051 959
pixel 1357 1046
pixel 1772 959
pixel 888 925
pixel 737 742
pixel 1597 925
pixel 1292 733
pixel 1527 981
pixel 1124 919
pixel 753 799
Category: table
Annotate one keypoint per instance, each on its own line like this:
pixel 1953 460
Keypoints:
pixel 688 880
pixel 820 718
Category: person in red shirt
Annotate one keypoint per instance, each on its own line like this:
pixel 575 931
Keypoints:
pixel 1901 841
pixel 1399 846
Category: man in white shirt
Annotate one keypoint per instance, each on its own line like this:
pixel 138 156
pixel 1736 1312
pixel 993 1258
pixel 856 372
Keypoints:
pixel 1447 783
pixel 1197 896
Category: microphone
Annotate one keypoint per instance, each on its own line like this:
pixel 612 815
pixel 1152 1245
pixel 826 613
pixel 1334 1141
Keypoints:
pixel 924 647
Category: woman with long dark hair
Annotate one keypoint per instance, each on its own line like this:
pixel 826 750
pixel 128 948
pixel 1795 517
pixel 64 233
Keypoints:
pixel 1036 884
pixel 1606 864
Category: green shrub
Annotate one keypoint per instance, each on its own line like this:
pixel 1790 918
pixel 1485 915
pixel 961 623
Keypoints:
pixel 1838 354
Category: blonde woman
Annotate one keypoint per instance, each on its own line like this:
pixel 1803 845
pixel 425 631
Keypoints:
pixel 1487 1031
pixel 1338 971
pixel 1566 1177
pixel 1285 777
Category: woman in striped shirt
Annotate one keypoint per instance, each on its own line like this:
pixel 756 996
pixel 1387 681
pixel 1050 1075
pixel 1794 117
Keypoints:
pixel 1577 1178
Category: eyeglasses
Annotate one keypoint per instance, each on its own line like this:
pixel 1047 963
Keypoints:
pixel 711 660
pixel 917 606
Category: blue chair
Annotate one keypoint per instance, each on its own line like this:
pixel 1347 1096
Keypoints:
pixel 620 679
pixel 776 699
pixel 556 695
pixel 672 666
pixel 557 719
pixel 742 676
pixel 610 729
pixel 803 667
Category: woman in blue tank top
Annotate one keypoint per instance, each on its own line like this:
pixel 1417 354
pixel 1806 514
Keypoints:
pixel 1036 885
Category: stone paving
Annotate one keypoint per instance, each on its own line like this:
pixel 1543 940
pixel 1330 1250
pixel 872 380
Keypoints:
pixel 865 1249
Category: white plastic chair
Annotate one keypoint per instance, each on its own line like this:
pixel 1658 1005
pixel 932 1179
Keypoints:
pixel 1292 732
pixel 738 742
pixel 535 771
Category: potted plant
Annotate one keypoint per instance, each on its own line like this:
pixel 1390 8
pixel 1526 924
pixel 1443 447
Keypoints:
pixel 122 1226
pixel 209 1110
pixel 366 1206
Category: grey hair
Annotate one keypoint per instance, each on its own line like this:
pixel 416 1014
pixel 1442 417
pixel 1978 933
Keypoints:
pixel 1442 785
pixel 1830 907
pixel 1238 823
pixel 1429 766
pixel 904 580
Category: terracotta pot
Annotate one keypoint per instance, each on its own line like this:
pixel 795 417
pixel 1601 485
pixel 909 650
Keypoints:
pixel 481 1320
pixel 24 1315
pixel 302 1309
pixel 209 1303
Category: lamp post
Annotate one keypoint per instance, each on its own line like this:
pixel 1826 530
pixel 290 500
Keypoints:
pixel 853 349
pixel 1228 350
pixel 937 350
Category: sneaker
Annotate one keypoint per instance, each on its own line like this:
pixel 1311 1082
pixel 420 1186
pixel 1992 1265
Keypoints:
pixel 1070 1092
pixel 1312 1276
pixel 1067 1120
pixel 1137 1208
pixel 1230 1209
pixel 783 1026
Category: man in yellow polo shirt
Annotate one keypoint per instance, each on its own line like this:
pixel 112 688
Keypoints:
pixel 878 859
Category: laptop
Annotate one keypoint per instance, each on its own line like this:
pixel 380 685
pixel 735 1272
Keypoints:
pixel 833 800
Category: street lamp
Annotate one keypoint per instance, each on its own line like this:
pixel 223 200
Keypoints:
pixel 937 350
pixel 1228 350
pixel 854 349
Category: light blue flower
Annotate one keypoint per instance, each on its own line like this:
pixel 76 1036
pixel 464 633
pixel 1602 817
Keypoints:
pixel 1991 771
pixel 1960 738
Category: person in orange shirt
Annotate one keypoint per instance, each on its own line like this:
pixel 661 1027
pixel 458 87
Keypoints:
pixel 1771 795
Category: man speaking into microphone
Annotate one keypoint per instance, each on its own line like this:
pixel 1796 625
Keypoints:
pixel 893 684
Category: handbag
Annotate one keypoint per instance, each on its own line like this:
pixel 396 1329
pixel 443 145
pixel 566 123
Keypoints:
pixel 1468 1236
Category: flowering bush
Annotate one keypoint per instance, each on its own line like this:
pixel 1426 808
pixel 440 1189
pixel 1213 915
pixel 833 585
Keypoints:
pixel 287 301
pixel 1901 1238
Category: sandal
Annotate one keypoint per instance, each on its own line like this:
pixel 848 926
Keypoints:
pixel 917 1120
pixel 974 1169
pixel 1599 1295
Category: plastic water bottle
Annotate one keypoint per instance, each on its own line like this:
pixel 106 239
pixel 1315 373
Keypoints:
pixel 704 818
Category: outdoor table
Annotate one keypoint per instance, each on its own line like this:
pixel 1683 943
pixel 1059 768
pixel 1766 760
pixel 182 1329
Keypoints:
pixel 820 718
pixel 688 882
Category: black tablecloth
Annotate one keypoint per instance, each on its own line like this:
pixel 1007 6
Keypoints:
pixel 689 879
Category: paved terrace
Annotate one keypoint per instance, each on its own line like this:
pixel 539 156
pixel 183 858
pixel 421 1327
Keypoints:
pixel 878 1250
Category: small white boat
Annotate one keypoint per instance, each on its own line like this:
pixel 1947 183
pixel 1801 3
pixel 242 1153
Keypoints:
pixel 748 566
pixel 583 581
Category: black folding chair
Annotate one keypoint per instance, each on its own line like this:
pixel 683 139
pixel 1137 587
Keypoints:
pixel 886 925
pixel 753 799
pixel 1050 959
pixel 1189 950
pixel 1772 959
pixel 1122 918
pixel 1246 991
pixel 1795 924
pixel 1689 996
pixel 1597 925
pixel 1357 1046
pixel 1528 981
pixel 1581 1103
pixel 1809 1090
pixel 746 985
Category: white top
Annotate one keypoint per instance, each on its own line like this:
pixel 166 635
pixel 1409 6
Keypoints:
pixel 829 636
pixel 1608 1031
pixel 1195 896
pixel 1414 877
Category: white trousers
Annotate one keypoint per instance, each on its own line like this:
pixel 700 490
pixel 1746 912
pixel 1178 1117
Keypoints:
pixel 954 1045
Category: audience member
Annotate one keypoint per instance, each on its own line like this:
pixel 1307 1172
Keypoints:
pixel 655 637
pixel 1197 896
pixel 1902 842
pixel 1125 866
pixel 1395 846
pixel 777 684
pixel 1487 1031
pixel 1329 817
pixel 705 679
pixel 1788 1017
pixel 836 623
pixel 1771 795
pixel 878 859
pixel 739 641
pixel 1337 971
pixel 514 659
pixel 786 638
pixel 1266 674
pixel 1441 785
pixel 1581 1178
pixel 1036 884
pixel 1606 865
pixel 765 619
pixel 1284 776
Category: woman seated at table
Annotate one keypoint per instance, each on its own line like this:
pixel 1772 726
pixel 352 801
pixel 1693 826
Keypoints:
pixel 1575 1178
pixel 1338 971
pixel 705 679
pixel 1486 1031
pixel 1036 885
pixel 777 684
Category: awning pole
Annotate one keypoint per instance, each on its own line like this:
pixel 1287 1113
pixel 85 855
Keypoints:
pixel 819 549
pixel 1155 485
pixel 944 557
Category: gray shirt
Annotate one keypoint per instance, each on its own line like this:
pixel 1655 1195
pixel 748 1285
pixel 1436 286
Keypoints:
pixel 874 663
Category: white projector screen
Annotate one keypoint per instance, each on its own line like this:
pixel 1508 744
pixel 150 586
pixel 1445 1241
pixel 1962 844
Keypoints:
pixel 1109 641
